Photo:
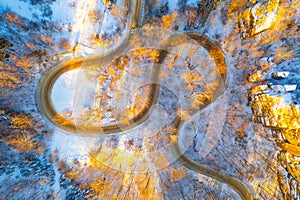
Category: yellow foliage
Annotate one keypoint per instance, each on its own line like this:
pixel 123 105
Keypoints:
pixel 46 39
pixel 111 72
pixel 118 157
pixel 236 5
pixel 160 160
pixel 144 54
pixel 292 149
pixel 21 121
pixel 9 76
pixel 192 77
pixel 292 136
pixel 171 130
pixel 133 25
pixel 173 138
pixel 190 87
pixel 94 16
pixel 199 99
pixel 292 165
pixel 23 64
pixel 177 174
pixel 141 102
pixel 167 20
pixel 94 161
pixel 72 174
pixel 99 41
pixel 64 45
pixel 22 134
pixel 64 118
pixel 184 114
pixel 107 3
pixel 146 186
pixel 23 142
pixel 102 78
pixel 283 53
pixel 9 80
pixel 257 53
pixel 126 117
pixel 270 37
pixel 73 64
pixel 171 62
pixel 14 18
pixel 255 77
pixel 274 107
pixel 101 188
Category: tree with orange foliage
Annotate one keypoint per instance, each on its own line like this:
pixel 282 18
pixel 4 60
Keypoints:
pixel 168 20
pixel 9 76
pixel 65 118
pixel 20 132
pixel 177 174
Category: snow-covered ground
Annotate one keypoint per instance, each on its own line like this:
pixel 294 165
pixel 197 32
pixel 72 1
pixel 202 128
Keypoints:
pixel 43 161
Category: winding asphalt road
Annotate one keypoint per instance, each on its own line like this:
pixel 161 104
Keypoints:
pixel 46 107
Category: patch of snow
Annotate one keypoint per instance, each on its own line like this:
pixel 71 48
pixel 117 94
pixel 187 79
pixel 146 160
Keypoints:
pixel 22 8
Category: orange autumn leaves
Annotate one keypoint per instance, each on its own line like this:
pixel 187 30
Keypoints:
pixel 177 174
pixel 112 73
pixel 17 69
pixel 108 183
pixel 14 73
pixel 111 76
pixel 15 19
pixel 21 121
pixel 22 132
pixel 276 111
pixel 167 20
pixel 64 118
pixel 9 76
pixel 101 188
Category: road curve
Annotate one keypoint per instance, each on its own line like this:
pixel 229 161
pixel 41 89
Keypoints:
pixel 244 190
pixel 45 105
